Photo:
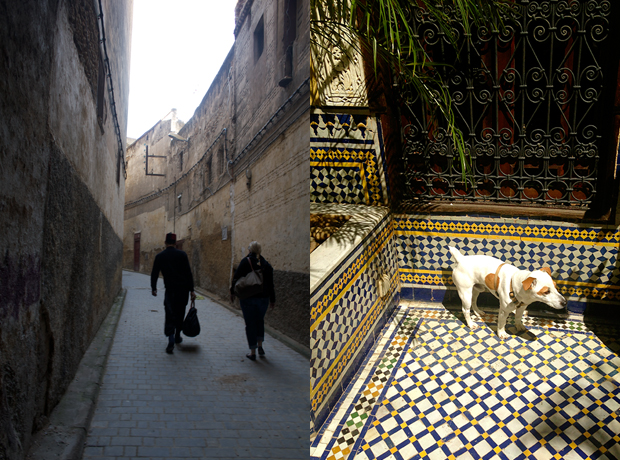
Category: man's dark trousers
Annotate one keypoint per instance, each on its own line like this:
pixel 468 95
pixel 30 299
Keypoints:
pixel 179 282
pixel 175 302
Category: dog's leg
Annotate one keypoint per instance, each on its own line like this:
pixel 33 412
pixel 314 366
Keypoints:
pixel 501 320
pixel 474 301
pixel 518 316
pixel 466 299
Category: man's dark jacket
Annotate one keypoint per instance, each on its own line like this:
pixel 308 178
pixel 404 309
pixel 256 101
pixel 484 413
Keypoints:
pixel 174 265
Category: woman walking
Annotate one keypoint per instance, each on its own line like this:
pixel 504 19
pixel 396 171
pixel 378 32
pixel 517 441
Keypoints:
pixel 255 306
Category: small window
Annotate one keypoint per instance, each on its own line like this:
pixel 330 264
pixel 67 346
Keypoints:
pixel 288 38
pixel 290 23
pixel 259 39
pixel 181 161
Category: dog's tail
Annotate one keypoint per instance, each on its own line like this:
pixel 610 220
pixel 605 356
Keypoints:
pixel 456 254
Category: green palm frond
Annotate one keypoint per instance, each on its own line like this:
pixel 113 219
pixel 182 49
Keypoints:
pixel 386 30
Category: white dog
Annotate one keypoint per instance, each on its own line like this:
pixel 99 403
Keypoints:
pixel 514 288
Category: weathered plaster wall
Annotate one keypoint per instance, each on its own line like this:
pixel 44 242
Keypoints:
pixel 92 153
pixel 202 180
pixel 151 226
pixel 157 143
pixel 60 245
pixel 206 200
pixel 274 210
pixel 257 91
pixel 80 270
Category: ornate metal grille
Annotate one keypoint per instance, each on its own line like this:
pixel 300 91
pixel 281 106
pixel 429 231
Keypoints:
pixel 527 100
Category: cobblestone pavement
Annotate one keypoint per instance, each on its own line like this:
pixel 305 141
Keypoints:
pixel 206 400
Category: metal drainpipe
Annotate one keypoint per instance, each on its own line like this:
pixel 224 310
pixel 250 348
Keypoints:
pixel 232 73
pixel 232 233
pixel 174 207
pixel 228 162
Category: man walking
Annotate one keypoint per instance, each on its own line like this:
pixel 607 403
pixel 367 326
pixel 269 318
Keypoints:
pixel 179 282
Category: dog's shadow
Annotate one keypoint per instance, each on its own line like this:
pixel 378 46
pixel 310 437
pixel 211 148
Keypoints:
pixel 488 319
pixel 525 335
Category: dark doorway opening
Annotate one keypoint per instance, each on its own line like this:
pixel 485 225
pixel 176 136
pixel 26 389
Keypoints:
pixel 136 252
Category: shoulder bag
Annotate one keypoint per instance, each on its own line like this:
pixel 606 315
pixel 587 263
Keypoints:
pixel 250 284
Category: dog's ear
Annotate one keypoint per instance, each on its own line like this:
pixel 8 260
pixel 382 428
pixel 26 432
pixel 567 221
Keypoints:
pixel 529 283
pixel 548 270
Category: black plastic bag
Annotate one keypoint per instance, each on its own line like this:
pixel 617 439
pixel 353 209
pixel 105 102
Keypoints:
pixel 191 326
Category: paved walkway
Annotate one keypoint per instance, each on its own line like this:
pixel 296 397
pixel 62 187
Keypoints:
pixel 432 388
pixel 206 400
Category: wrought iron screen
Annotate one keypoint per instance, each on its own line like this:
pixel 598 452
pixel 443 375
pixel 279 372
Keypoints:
pixel 527 100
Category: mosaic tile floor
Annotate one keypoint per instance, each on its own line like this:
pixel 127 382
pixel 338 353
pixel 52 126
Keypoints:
pixel 432 388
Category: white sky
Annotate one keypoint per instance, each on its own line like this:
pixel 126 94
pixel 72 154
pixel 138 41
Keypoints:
pixel 178 46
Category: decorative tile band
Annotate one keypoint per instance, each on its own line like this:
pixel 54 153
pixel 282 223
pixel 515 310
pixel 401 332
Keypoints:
pixel 320 389
pixel 332 293
pixel 335 176
pixel 347 164
pixel 565 233
pixel 432 279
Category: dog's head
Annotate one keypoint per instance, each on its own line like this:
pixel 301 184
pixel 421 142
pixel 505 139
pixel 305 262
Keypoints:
pixel 539 286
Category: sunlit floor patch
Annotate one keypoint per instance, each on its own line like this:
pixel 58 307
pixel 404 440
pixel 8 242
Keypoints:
pixel 432 388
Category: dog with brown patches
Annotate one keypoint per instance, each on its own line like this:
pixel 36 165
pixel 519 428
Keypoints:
pixel 514 288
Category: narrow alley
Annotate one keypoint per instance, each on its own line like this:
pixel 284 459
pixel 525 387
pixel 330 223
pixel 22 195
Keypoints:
pixel 206 400
pixel 432 388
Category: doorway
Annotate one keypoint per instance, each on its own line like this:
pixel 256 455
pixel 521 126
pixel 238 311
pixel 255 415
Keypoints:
pixel 136 252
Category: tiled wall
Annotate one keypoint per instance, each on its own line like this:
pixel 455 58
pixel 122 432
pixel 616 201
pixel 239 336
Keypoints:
pixel 348 166
pixel 583 259
pixel 347 314
pixel 347 163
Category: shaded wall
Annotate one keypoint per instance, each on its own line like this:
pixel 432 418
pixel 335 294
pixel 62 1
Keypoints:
pixel 60 244
pixel 347 160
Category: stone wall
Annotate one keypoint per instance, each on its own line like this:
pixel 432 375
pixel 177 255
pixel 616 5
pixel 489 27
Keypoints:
pixel 241 175
pixel 60 202
pixel 156 143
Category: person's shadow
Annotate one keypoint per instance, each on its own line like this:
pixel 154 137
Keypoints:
pixel 188 348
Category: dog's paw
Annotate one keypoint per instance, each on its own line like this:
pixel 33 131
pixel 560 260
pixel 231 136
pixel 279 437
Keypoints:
pixel 503 335
pixel 521 328
pixel 472 325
